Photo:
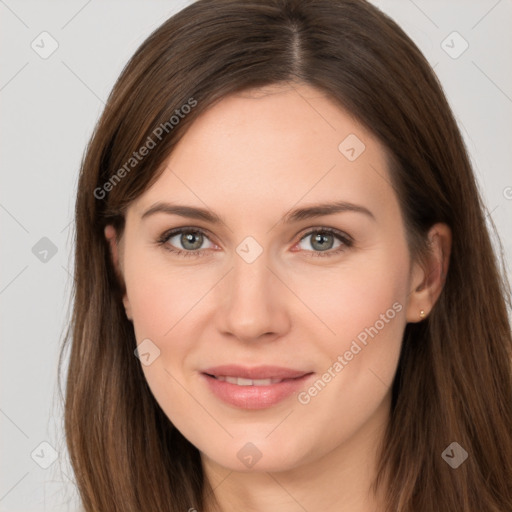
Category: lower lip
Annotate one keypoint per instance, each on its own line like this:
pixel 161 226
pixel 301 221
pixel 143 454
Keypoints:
pixel 255 397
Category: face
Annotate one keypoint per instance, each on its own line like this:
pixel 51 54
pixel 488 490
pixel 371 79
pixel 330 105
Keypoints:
pixel 272 286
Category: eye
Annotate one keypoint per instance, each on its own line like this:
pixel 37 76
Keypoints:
pixel 190 239
pixel 324 240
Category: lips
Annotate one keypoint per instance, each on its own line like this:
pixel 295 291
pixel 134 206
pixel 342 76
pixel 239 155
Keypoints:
pixel 254 388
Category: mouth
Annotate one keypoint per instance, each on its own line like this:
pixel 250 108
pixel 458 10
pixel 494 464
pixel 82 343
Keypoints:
pixel 255 373
pixel 254 388
pixel 241 381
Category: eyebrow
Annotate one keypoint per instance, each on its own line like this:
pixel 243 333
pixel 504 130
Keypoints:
pixel 308 212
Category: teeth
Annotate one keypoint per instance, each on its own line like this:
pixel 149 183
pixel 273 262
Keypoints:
pixel 240 381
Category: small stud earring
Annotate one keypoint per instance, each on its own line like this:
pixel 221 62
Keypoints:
pixel 422 314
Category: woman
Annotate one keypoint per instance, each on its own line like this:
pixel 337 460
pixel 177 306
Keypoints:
pixel 335 336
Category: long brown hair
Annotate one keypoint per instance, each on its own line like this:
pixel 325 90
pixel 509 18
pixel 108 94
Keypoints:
pixel 454 379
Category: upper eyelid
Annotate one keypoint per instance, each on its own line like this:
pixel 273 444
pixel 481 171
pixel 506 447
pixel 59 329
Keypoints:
pixel 176 231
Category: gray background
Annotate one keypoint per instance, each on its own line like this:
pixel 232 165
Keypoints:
pixel 49 108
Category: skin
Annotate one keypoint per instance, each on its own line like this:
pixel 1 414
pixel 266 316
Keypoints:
pixel 251 158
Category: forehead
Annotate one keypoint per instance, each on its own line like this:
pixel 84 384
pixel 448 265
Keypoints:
pixel 267 149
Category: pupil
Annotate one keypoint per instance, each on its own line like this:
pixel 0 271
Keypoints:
pixel 321 239
pixel 189 238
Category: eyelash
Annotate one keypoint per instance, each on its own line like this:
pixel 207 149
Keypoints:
pixel 347 242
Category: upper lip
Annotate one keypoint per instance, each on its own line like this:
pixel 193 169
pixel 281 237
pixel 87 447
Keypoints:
pixel 256 372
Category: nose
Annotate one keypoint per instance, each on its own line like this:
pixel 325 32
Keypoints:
pixel 253 302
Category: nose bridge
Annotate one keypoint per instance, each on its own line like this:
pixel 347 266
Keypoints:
pixel 250 281
pixel 251 275
pixel 253 304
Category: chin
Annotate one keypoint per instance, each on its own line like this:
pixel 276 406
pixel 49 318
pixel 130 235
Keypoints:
pixel 258 455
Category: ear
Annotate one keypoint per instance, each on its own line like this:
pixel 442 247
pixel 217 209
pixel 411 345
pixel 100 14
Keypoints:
pixel 111 236
pixel 427 280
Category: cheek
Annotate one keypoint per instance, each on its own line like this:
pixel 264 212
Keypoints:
pixel 166 302
pixel 162 300
pixel 366 311
pixel 351 299
pixel 159 293
pixel 362 312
